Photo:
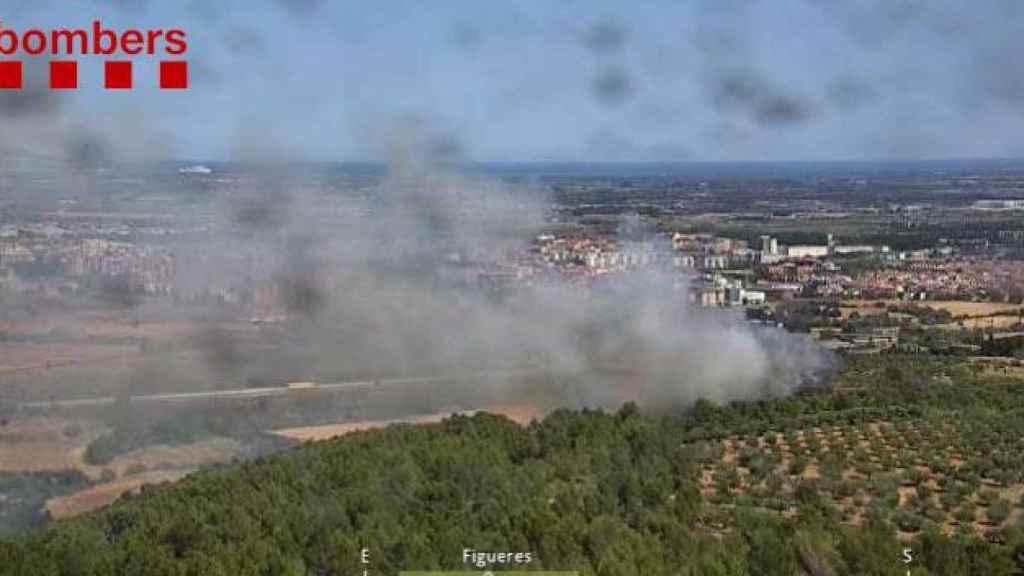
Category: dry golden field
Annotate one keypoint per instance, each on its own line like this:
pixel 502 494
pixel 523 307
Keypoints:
pixel 50 444
pixel 954 307
pixel 521 414
pixel 46 444
pixel 973 309
pixel 102 495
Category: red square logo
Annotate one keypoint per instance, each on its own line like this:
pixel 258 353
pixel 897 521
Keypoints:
pixel 173 75
pixel 63 75
pixel 10 75
pixel 118 74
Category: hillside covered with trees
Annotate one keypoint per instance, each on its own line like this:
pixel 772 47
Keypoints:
pixel 903 452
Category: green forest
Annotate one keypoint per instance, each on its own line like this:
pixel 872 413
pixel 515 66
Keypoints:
pixel 901 452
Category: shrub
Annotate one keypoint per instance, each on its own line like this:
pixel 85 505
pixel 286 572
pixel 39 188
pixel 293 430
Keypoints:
pixel 797 466
pixel 137 468
pixel 102 450
pixel 998 512
pixel 908 521
pixel 965 513
pixel 987 497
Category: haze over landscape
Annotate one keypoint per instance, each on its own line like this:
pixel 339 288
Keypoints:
pixel 580 81
pixel 709 288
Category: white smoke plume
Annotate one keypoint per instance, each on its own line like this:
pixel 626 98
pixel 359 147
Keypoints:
pixel 384 284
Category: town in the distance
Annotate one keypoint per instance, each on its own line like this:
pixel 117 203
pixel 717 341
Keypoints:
pixel 826 250
pixel 822 354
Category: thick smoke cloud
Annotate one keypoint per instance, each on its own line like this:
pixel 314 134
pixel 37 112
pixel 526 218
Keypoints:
pixel 380 284
pixel 750 94
pixel 385 285
pixel 612 85
pixel 42 128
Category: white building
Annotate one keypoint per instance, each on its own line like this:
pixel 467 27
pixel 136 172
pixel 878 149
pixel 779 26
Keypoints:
pixel 807 251
pixel 1012 204
pixel 754 297
pixel 853 249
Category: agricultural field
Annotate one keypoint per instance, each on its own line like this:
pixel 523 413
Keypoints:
pixel 950 457
pixel 958 475
pixel 1011 323
pixel 43 462
pixel 973 309
pixel 959 310
pixel 19 357
pixel 97 351
pixel 46 444
pixel 106 493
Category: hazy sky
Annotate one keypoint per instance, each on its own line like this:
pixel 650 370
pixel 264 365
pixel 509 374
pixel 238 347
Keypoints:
pixel 571 80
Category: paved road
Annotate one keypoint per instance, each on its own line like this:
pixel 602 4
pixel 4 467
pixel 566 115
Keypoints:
pixel 265 392
pixel 235 394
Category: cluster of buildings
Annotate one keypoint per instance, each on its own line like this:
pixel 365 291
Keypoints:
pixel 706 262
pixel 718 271
pixel 934 278
pixel 868 339
pixel 729 272
pixel 60 262
pixel 594 256
pixel 142 269
pixel 772 251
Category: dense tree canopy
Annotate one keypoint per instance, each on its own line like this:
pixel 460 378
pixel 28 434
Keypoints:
pixel 605 494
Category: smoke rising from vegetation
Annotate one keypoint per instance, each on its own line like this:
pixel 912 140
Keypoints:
pixel 388 284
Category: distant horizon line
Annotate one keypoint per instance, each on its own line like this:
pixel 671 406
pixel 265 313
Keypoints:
pixel 937 160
